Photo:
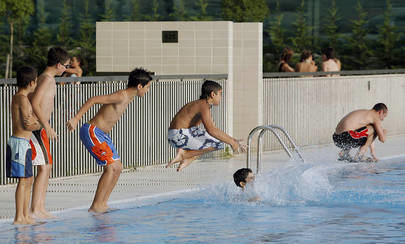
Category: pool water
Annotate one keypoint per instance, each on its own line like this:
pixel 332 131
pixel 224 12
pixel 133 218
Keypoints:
pixel 316 202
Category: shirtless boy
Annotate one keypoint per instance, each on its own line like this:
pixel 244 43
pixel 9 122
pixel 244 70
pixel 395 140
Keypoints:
pixel 359 129
pixel 19 152
pixel 94 134
pixel 42 101
pixel 192 141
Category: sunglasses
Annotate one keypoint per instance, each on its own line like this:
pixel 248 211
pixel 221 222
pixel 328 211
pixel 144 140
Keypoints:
pixel 67 66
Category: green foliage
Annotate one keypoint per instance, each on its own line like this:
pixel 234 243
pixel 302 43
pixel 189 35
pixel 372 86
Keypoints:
pixel 245 10
pixel 202 5
pixel 108 14
pixel 86 42
pixel 179 12
pixel 358 51
pixel 276 32
pixel 65 26
pixel 387 38
pixel 331 26
pixel 37 54
pixel 302 38
pixel 14 10
pixel 135 13
pixel 155 11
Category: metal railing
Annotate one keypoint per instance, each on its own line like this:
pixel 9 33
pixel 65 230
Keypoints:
pixel 140 136
pixel 263 130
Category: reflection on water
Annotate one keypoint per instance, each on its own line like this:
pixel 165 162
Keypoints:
pixel 103 228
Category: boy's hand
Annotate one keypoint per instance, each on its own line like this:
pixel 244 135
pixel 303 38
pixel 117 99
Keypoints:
pixel 51 133
pixel 242 147
pixel 71 124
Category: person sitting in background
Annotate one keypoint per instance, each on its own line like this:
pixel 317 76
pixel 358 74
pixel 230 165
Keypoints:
pixel 329 61
pixel 74 70
pixel 307 64
pixel 285 58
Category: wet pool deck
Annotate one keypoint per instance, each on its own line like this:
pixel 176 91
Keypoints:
pixel 77 192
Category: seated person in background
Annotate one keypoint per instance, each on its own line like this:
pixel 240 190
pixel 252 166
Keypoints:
pixel 192 141
pixel 330 62
pixel 284 59
pixel 244 177
pixel 359 129
pixel 307 64
pixel 74 70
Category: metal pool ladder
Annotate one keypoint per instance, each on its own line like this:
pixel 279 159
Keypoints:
pixel 274 129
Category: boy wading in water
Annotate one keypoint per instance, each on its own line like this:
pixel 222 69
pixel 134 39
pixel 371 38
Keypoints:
pixel 19 153
pixel 94 134
pixel 192 141
pixel 359 129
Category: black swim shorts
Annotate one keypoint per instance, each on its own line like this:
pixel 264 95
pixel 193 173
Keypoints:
pixel 351 139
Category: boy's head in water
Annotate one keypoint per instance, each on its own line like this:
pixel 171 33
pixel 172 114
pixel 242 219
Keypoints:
pixel 243 176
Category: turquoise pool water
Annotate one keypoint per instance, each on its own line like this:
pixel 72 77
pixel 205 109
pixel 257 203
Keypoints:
pixel 318 202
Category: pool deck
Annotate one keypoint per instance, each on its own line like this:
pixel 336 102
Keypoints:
pixel 77 192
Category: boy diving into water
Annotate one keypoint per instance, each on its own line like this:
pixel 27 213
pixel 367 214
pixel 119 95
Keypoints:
pixel 192 141
pixel 359 129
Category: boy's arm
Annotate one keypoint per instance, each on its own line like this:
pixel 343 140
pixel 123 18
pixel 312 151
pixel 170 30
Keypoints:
pixel 116 97
pixel 40 92
pixel 29 121
pixel 379 130
pixel 215 132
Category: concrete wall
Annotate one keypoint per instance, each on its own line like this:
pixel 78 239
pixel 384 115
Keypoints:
pixel 310 108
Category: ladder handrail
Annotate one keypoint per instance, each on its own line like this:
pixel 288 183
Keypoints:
pixel 273 129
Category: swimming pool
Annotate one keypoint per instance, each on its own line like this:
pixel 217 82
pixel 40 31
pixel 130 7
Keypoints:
pixel 316 202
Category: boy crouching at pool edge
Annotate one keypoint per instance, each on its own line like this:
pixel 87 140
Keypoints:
pixel 19 153
pixel 94 134
pixel 192 141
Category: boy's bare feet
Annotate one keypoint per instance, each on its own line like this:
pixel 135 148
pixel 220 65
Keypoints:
pixel 177 158
pixel 95 209
pixel 185 163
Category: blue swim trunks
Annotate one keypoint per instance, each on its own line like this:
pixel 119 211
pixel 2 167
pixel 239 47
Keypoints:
pixel 193 138
pixel 99 144
pixel 18 158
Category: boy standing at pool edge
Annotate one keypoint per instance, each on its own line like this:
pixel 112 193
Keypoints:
pixel 192 141
pixel 94 134
pixel 42 101
pixel 19 152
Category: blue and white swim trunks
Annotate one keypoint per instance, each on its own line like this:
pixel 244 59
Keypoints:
pixel 193 138
pixel 18 158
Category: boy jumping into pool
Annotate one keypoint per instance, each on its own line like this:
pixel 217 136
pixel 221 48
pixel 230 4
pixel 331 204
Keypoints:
pixel 359 129
pixel 19 153
pixel 94 134
pixel 192 141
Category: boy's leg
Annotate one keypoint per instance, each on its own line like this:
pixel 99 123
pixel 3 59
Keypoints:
pixel 27 197
pixel 105 186
pixel 370 139
pixel 188 156
pixel 19 202
pixel 39 192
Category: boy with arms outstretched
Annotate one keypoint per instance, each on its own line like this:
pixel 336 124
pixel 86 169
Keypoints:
pixel 19 152
pixel 42 101
pixel 192 141
pixel 94 134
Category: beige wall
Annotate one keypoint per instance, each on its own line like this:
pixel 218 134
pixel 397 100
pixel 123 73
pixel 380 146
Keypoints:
pixel 310 108
pixel 203 47
pixel 208 47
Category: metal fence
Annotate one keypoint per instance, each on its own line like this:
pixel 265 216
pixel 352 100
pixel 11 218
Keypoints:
pixel 140 135
pixel 310 107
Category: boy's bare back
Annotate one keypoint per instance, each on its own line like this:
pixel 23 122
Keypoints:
pixel 356 120
pixel 108 114
pixel 190 114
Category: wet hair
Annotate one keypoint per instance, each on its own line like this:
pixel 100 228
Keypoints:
pixel 329 53
pixel 240 175
pixel 380 106
pixel 25 75
pixel 57 55
pixel 209 86
pixel 139 76
pixel 287 54
pixel 305 55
